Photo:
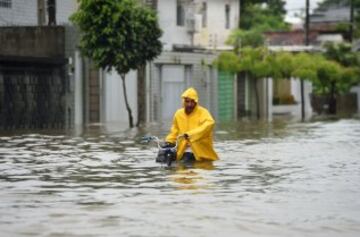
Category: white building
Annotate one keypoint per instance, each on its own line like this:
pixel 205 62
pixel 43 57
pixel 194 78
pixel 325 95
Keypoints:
pixel 193 31
pixel 204 23
pixel 34 12
pixel 37 58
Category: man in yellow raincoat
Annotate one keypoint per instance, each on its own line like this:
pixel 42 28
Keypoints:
pixel 195 123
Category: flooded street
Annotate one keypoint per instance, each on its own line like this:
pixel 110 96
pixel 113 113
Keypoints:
pixel 272 179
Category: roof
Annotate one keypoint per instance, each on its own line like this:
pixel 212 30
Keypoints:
pixel 333 14
pixel 290 38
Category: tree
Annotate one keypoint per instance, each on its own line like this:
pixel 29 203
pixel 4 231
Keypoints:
pixel 119 34
pixel 255 62
pixel 342 53
pixel 255 13
pixel 257 18
pixel 332 73
pixel 305 68
pixel 339 73
pixel 242 38
pixel 227 61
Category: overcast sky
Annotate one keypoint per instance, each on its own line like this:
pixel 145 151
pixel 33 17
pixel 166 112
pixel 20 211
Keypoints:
pixel 296 6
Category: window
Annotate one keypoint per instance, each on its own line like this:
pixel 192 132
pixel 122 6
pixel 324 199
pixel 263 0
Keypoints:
pixel 227 16
pixel 204 14
pixel 5 3
pixel 180 13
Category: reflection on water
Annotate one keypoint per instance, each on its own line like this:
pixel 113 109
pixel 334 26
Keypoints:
pixel 273 179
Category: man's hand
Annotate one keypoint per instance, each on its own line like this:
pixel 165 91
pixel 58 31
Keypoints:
pixel 186 136
pixel 167 145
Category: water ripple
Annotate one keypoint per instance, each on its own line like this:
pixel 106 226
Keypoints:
pixel 273 179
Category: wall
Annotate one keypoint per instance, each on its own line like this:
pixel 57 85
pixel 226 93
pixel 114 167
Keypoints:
pixel 346 104
pixel 24 12
pixel 64 9
pixel 33 85
pixel 295 110
pixel 113 97
pixel 37 59
pixel 32 41
pixel 214 35
pixel 172 34
pixel 296 91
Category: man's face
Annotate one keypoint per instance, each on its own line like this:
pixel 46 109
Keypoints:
pixel 189 105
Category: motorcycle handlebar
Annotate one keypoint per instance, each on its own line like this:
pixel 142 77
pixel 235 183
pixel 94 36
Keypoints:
pixel 148 139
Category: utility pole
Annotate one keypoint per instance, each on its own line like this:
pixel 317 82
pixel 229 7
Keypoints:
pixel 307 29
pixel 351 27
pixel 307 21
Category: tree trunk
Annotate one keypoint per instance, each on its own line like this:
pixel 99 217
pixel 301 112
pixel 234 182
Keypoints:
pixel 332 99
pixel 241 13
pixel 302 100
pixel 141 95
pixel 257 99
pixel 131 123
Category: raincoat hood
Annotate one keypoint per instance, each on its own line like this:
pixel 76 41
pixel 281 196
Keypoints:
pixel 191 93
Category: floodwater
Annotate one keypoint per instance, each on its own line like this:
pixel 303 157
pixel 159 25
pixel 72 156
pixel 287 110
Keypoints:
pixel 273 179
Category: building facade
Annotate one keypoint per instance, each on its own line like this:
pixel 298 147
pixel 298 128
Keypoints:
pixel 35 89
pixel 35 12
pixel 193 33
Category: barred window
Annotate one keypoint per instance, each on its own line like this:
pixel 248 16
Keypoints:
pixel 5 3
pixel 227 16
pixel 180 13
pixel 204 14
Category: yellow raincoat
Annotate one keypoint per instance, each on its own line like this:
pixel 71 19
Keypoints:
pixel 198 125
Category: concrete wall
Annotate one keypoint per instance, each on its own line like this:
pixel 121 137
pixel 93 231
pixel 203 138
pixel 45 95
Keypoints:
pixel 346 104
pixel 40 54
pixel 296 92
pixel 215 34
pixel 114 109
pixel 172 34
pixel 33 75
pixel 32 41
pixel 295 110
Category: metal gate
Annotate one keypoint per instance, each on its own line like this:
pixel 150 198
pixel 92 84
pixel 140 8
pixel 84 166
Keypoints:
pixel 226 100
pixel 32 98
pixel 173 85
